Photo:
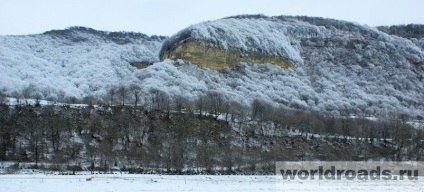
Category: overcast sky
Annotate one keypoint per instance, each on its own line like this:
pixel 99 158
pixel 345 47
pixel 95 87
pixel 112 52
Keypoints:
pixel 166 17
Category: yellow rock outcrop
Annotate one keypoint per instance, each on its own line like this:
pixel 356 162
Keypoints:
pixel 205 54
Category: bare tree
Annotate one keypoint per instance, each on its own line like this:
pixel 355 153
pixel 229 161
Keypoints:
pixel 237 110
pixel 72 100
pixel 135 90
pixel 17 96
pixel 226 109
pixel 38 97
pixel 2 97
pixel 189 105
pixel 179 102
pixel 89 100
pixel 28 91
pixel 161 100
pixel 111 94
pixel 154 94
pixel 402 134
pixel 200 103
pixel 122 93
pixel 259 108
pixel 61 96
pixel 215 101
pixel 418 145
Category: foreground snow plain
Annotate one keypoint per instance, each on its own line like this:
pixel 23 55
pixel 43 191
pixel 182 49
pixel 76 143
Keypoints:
pixel 129 183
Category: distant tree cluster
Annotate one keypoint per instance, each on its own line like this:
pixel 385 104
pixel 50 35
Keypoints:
pixel 407 31
pixel 122 37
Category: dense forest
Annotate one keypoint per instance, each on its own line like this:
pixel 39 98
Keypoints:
pixel 201 139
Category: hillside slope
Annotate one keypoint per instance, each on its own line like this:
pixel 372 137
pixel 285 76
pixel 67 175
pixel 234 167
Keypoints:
pixel 337 65
pixel 74 62
pixel 126 138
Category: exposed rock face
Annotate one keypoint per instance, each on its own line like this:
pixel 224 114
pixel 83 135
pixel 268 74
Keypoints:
pixel 205 54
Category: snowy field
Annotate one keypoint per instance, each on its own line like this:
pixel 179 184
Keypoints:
pixel 129 183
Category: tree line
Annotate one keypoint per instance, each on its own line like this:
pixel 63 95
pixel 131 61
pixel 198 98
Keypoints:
pixel 162 121
pixel 208 135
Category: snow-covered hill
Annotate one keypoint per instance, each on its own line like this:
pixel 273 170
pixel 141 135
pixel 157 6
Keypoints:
pixel 338 66
pixel 74 62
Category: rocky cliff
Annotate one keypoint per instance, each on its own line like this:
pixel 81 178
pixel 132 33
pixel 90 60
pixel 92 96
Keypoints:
pixel 205 54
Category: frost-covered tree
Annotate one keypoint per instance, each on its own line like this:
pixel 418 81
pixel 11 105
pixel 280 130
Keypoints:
pixel 78 61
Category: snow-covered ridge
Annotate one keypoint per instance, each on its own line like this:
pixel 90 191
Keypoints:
pixel 74 62
pixel 339 65
pixel 284 35
pixel 259 35
pixel 74 34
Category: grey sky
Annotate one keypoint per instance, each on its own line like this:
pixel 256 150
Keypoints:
pixel 166 17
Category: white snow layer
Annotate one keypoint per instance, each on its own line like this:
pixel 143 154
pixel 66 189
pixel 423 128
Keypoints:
pixel 129 183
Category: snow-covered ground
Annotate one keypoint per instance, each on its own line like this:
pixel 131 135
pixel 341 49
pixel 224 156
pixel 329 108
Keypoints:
pixel 128 183
pixel 356 185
